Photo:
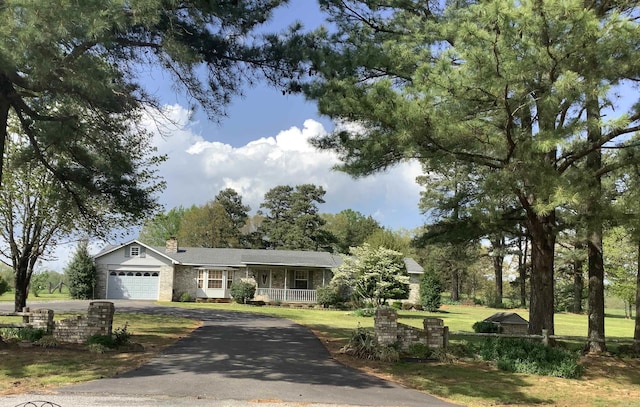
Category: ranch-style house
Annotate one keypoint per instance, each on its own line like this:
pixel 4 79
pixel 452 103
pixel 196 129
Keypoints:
pixel 135 270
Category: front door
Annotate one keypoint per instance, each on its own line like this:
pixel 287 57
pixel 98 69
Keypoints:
pixel 214 283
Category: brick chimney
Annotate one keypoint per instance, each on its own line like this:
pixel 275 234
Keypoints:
pixel 172 245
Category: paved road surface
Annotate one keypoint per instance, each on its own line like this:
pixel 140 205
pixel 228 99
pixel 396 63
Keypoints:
pixel 234 359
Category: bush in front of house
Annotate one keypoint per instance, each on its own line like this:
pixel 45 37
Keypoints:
pixel 332 295
pixel 242 291
pixel 524 356
pixel 486 327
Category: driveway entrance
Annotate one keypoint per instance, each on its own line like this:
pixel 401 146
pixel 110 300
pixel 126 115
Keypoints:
pixel 238 356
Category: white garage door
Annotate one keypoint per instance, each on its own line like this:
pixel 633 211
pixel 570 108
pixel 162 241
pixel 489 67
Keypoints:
pixel 133 285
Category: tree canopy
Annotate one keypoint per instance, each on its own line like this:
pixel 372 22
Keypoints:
pixel 373 274
pixel 519 89
pixel 292 220
pixel 69 78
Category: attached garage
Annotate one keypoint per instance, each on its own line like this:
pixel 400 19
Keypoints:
pixel 133 285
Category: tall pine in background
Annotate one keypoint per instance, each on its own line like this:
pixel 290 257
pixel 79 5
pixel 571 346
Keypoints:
pixel 81 273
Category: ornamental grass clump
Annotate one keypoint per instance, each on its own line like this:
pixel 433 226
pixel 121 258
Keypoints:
pixel 524 356
pixel 363 345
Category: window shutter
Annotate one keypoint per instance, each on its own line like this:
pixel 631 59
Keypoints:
pixel 127 251
pixel 143 252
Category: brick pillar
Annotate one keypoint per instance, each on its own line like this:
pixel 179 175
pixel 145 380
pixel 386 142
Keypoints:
pixel 386 325
pixel 100 317
pixel 42 319
pixel 437 333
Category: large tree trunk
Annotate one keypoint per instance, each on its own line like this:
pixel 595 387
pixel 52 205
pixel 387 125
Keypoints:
pixel 455 285
pixel 523 249
pixel 636 332
pixel 498 261
pixel 21 281
pixel 594 232
pixel 578 284
pixel 543 239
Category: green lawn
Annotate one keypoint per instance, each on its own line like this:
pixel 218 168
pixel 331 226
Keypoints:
pixel 42 296
pixel 609 381
pixel 41 369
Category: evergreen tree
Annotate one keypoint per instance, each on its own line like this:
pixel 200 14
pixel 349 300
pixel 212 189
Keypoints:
pixel 70 79
pixel 431 290
pixel 514 87
pixel 292 220
pixel 157 230
pixel 351 228
pixel 81 273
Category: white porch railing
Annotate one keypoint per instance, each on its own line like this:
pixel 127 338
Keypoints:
pixel 288 295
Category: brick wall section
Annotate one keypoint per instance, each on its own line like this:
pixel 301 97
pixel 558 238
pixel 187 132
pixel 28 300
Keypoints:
pixel 409 335
pixel 388 331
pixel 98 321
pixel 42 319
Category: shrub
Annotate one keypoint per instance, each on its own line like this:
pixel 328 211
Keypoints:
pixel 47 341
pixel 523 356
pixel 121 336
pixel 397 305
pixel 22 334
pixel 420 351
pixel 407 306
pixel 185 297
pixel 364 312
pixel 328 296
pixel 363 345
pixel 106 341
pixel 242 291
pixel 486 327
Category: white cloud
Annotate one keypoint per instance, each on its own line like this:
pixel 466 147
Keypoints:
pixel 197 169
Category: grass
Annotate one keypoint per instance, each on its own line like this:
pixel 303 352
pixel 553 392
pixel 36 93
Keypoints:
pixel 42 296
pixel 38 369
pixel 609 381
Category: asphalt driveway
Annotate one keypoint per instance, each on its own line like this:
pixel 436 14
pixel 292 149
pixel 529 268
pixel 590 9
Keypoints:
pixel 240 357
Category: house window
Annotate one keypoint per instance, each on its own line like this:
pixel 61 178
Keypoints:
pixel 201 277
pixel 135 251
pixel 229 279
pixel 215 279
pixel 301 279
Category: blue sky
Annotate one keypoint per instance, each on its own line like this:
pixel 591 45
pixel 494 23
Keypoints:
pixel 227 151
pixel 262 143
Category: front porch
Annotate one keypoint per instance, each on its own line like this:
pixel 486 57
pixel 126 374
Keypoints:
pixel 289 284
pixel 286 295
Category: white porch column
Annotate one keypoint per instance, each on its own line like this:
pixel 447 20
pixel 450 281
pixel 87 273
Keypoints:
pixel 285 283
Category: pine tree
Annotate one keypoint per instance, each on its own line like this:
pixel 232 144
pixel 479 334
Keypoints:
pixel 81 273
